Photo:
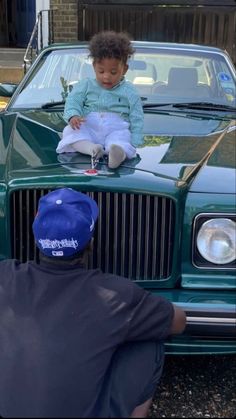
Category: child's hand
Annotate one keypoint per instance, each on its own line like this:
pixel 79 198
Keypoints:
pixel 76 121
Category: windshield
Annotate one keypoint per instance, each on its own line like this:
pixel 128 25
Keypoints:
pixel 160 75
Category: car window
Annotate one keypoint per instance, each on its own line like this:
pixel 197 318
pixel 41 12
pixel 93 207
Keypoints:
pixel 160 75
pixel 224 80
pixel 52 79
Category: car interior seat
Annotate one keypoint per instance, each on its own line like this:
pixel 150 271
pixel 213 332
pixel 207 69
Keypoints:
pixel 86 70
pixel 182 82
pixel 143 77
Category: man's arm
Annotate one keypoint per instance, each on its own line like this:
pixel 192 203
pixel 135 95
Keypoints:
pixel 179 320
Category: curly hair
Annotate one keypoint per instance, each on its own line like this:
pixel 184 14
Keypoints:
pixel 111 44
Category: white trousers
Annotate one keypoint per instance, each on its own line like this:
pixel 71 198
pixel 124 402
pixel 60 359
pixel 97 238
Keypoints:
pixel 103 128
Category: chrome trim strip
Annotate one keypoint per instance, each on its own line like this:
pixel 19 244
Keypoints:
pixel 210 320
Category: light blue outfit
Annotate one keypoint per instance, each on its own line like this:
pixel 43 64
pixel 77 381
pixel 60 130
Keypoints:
pixel 112 116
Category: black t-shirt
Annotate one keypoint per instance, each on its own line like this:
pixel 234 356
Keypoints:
pixel 59 327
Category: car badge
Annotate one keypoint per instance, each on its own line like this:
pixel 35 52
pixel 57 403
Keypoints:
pixel 91 172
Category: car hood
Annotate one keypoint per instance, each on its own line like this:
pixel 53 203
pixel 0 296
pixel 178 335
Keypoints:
pixel 195 151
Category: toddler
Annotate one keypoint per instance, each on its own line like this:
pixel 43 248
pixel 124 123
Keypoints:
pixel 105 114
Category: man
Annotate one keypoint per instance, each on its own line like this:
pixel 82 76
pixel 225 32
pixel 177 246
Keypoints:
pixel 77 342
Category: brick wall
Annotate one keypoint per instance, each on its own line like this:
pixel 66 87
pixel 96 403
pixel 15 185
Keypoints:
pixel 65 20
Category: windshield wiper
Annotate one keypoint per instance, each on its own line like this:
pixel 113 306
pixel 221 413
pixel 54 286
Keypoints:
pixel 156 105
pixel 192 105
pixel 205 105
pixel 52 104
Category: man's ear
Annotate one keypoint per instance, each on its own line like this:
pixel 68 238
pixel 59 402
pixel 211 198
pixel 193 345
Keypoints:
pixel 88 249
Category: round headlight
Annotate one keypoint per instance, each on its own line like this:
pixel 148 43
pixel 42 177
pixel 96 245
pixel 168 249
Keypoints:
pixel 216 240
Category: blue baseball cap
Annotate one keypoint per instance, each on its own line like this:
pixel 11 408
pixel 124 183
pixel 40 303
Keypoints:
pixel 65 222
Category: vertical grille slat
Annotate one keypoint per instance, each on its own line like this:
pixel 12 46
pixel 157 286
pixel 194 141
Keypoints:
pixel 155 237
pixel 99 233
pixel 170 238
pixel 28 238
pixel 13 218
pixel 116 227
pixel 20 227
pixel 107 241
pixel 147 238
pixel 162 242
pixel 131 237
pixel 134 235
pixel 123 234
pixel 139 227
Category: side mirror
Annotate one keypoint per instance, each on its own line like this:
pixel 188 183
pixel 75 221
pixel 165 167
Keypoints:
pixel 7 89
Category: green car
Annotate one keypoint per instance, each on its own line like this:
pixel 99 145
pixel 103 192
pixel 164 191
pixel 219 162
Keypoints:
pixel 167 217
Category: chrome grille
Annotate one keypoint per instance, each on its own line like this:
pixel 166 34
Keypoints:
pixel 134 234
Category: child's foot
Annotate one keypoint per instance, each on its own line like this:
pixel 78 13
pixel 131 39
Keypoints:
pixel 97 151
pixel 116 156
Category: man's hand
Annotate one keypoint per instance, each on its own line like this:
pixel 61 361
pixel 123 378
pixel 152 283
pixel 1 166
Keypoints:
pixel 179 320
pixel 76 121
